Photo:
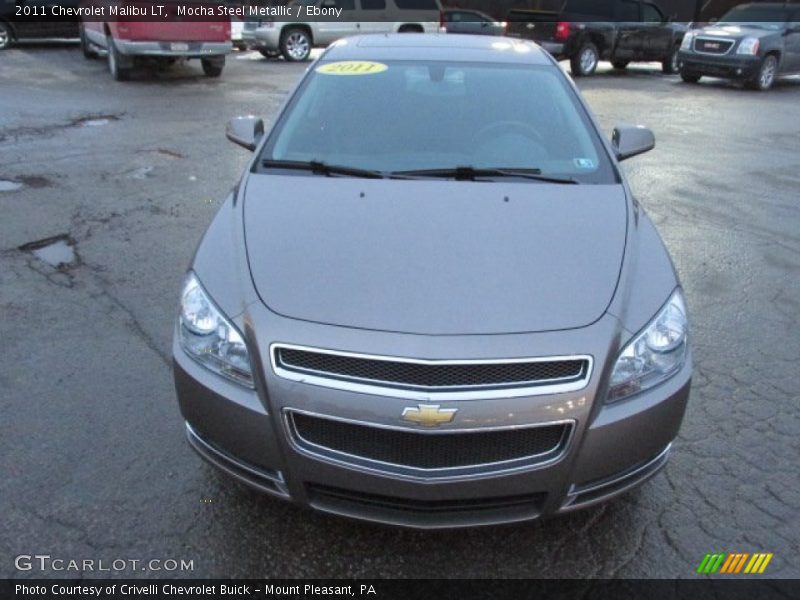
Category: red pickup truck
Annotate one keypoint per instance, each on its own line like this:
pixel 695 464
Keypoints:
pixel 127 41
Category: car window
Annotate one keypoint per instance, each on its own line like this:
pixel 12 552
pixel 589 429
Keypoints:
pixel 432 115
pixel 651 14
pixel 373 4
pixel 627 11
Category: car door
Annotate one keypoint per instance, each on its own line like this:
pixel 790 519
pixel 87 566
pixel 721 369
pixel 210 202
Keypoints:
pixel 373 17
pixel 458 21
pixel 36 25
pixel 629 37
pixel 791 43
pixel 331 29
pixel 656 31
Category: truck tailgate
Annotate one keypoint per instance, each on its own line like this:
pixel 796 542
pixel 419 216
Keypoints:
pixel 536 25
pixel 194 31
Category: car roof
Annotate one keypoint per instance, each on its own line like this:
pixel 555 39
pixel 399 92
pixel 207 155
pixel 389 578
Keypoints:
pixel 438 46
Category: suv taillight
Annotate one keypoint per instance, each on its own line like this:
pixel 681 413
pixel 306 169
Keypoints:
pixel 562 31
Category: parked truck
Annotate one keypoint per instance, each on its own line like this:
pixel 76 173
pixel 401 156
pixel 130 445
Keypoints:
pixel 586 32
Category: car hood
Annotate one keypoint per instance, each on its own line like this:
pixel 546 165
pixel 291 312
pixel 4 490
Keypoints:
pixel 736 32
pixel 432 256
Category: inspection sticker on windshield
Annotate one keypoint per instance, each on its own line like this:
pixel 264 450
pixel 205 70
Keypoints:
pixel 352 67
pixel 584 163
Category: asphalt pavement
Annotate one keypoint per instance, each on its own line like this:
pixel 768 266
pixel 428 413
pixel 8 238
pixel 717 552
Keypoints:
pixel 118 181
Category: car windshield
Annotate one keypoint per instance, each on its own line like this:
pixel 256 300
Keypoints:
pixel 412 116
pixel 762 17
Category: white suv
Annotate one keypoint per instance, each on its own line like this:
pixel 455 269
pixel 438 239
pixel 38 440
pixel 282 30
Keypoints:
pixel 294 39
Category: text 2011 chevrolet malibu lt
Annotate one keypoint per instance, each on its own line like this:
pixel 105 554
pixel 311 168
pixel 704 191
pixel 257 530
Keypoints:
pixel 432 300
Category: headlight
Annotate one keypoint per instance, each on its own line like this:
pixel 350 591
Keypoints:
pixel 209 337
pixel 654 355
pixel 748 46
pixel 686 43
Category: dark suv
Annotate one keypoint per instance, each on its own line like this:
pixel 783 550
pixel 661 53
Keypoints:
pixel 587 31
pixel 753 43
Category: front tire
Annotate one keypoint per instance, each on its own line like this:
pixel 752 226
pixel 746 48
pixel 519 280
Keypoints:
pixel 117 63
pixel 766 74
pixel 689 77
pixel 86 47
pixel 266 53
pixel 584 62
pixel 295 45
pixel 212 67
pixel 6 35
pixel 669 66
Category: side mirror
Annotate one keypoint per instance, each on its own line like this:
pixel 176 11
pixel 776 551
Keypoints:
pixel 245 131
pixel 630 140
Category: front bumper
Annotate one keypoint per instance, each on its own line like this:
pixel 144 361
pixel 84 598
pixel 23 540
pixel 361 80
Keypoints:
pixel 611 448
pixel 727 66
pixel 173 49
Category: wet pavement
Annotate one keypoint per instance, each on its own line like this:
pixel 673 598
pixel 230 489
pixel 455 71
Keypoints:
pixel 105 189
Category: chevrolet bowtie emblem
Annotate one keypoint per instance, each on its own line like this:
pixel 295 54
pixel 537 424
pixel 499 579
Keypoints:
pixel 429 415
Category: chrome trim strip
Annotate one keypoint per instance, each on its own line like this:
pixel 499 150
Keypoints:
pixel 713 39
pixel 227 463
pixel 514 390
pixel 363 463
pixel 635 477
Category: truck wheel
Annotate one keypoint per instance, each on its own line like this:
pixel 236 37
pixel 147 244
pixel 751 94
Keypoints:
pixel 118 65
pixel 266 53
pixel 86 47
pixel 584 61
pixel 6 35
pixel 765 76
pixel 620 64
pixel 212 67
pixel 670 64
pixel 690 77
pixel 295 45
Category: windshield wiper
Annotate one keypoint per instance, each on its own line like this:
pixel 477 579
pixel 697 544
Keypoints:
pixel 321 168
pixel 473 173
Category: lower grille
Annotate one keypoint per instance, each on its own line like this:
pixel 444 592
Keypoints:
pixel 427 451
pixel 425 513
pixel 712 46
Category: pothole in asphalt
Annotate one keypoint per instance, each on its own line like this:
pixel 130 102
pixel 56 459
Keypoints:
pixel 32 181
pixel 141 172
pixel 95 120
pixel 9 186
pixel 57 251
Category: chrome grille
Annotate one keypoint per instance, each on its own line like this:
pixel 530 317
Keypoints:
pixel 417 450
pixel 395 375
pixel 712 45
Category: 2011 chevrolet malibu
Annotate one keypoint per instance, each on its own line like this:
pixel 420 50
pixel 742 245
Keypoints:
pixel 432 300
